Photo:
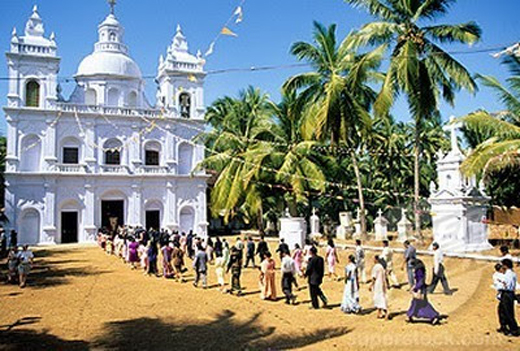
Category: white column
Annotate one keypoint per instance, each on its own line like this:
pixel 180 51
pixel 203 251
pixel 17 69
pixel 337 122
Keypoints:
pixel 89 140
pixel 12 158
pixel 134 207
pixel 201 210
pixel 88 217
pixel 49 145
pixel 10 204
pixel 135 146
pixel 172 221
pixel 49 214
pixel 171 146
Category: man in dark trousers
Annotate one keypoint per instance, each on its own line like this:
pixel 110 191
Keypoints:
pixel 282 247
pixel 438 271
pixel 261 248
pixel 314 274
pixel 250 252
pixel 506 307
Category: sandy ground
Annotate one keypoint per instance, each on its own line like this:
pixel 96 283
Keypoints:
pixel 79 298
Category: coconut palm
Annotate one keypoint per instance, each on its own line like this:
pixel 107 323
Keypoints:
pixel 500 131
pixel 419 68
pixel 336 94
pixel 294 159
pixel 237 124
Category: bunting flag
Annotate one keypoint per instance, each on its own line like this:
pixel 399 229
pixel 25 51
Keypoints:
pixel 210 49
pixel 227 31
pixel 239 15
pixel 192 78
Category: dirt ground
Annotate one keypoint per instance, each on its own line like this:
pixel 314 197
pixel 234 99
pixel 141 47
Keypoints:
pixel 79 298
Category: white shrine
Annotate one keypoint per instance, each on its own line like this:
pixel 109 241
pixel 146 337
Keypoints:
pixel 74 164
pixel 459 206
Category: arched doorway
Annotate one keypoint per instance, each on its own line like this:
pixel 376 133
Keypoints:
pixel 30 227
pixel 187 219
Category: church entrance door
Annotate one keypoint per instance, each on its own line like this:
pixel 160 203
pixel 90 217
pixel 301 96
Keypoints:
pixel 69 227
pixel 153 219
pixel 112 212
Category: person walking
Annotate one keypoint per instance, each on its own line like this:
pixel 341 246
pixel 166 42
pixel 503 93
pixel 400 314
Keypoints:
pixel 268 278
pixel 220 269
pixel 282 247
pixel 250 252
pixel 297 256
pixel 235 265
pixel 420 307
pixel 379 287
pixel 332 259
pixel 439 273
pixel 388 256
pixel 25 260
pixel 289 271
pixel 410 254
pixel 314 273
pixel 360 262
pixel 261 248
pixel 506 307
pixel 350 302
pixel 178 262
pixel 200 265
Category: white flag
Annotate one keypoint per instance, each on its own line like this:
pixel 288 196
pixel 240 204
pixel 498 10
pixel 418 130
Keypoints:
pixel 240 15
pixel 210 49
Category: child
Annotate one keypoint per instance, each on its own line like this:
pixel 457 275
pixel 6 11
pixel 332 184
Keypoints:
pixel 499 279
pixel 109 246
pixel 143 254
pixel 12 264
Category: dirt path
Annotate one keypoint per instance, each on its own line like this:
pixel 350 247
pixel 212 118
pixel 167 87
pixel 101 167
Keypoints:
pixel 80 298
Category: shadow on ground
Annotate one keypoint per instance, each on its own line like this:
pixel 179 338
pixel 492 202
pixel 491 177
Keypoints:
pixel 223 333
pixel 28 340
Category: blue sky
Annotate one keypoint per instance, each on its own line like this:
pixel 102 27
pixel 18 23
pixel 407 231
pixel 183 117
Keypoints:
pixel 264 38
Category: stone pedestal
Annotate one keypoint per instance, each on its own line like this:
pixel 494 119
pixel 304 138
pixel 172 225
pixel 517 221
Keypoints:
pixel 404 227
pixel 346 227
pixel 293 230
pixel 381 227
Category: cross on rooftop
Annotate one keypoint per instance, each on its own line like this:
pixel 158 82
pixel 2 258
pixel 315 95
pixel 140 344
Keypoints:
pixel 112 4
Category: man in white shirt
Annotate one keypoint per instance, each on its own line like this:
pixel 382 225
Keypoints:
pixel 438 271
pixel 388 256
pixel 360 262
pixel 25 259
pixel 506 308
pixel 288 270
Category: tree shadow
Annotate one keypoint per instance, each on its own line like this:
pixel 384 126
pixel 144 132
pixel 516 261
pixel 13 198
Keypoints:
pixel 48 276
pixel 28 340
pixel 222 333
pixel 21 321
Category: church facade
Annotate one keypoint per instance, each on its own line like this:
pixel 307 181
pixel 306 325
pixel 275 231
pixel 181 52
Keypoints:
pixel 103 154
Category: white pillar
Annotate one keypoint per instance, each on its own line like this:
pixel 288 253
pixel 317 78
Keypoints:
pixel 12 159
pixel 49 234
pixel 134 207
pixel 172 221
pixel 88 217
pixel 49 145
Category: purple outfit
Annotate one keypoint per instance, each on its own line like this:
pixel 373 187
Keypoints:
pixel 133 255
pixel 421 308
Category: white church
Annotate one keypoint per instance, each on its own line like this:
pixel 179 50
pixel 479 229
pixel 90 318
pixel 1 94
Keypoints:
pixel 105 152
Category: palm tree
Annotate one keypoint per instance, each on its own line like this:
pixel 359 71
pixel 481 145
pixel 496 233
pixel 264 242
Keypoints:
pixel 294 159
pixel 419 68
pixel 336 94
pixel 237 124
pixel 500 144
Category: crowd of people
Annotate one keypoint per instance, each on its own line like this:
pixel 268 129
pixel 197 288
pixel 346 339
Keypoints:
pixel 140 248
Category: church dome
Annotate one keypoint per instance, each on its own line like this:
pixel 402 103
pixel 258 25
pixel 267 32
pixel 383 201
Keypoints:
pixel 114 64
pixel 110 57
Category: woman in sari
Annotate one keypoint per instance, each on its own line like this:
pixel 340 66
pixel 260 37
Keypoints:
pixel 379 288
pixel 350 303
pixel 420 307
pixel 267 278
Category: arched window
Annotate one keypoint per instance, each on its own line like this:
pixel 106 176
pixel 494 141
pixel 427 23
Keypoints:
pixel 132 99
pixel 187 219
pixel 90 97
pixel 32 94
pixel 185 158
pixel 152 152
pixel 112 36
pixel 185 105
pixel 112 152
pixel 30 154
pixel 113 97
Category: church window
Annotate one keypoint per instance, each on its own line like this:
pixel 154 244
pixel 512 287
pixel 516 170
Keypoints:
pixel 113 149
pixel 112 36
pixel 185 105
pixel 152 153
pixel 70 155
pixel 90 97
pixel 32 94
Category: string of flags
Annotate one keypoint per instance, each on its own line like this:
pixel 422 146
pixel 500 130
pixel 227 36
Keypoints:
pixel 236 18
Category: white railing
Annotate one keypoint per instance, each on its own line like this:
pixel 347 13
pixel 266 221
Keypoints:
pixel 70 168
pixel 152 170
pixel 33 49
pixel 118 169
pixel 105 110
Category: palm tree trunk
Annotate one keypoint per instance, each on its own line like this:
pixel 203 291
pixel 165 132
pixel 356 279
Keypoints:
pixel 362 218
pixel 416 175
pixel 260 220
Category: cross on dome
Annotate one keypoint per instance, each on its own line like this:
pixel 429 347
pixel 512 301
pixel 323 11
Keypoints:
pixel 452 128
pixel 112 4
